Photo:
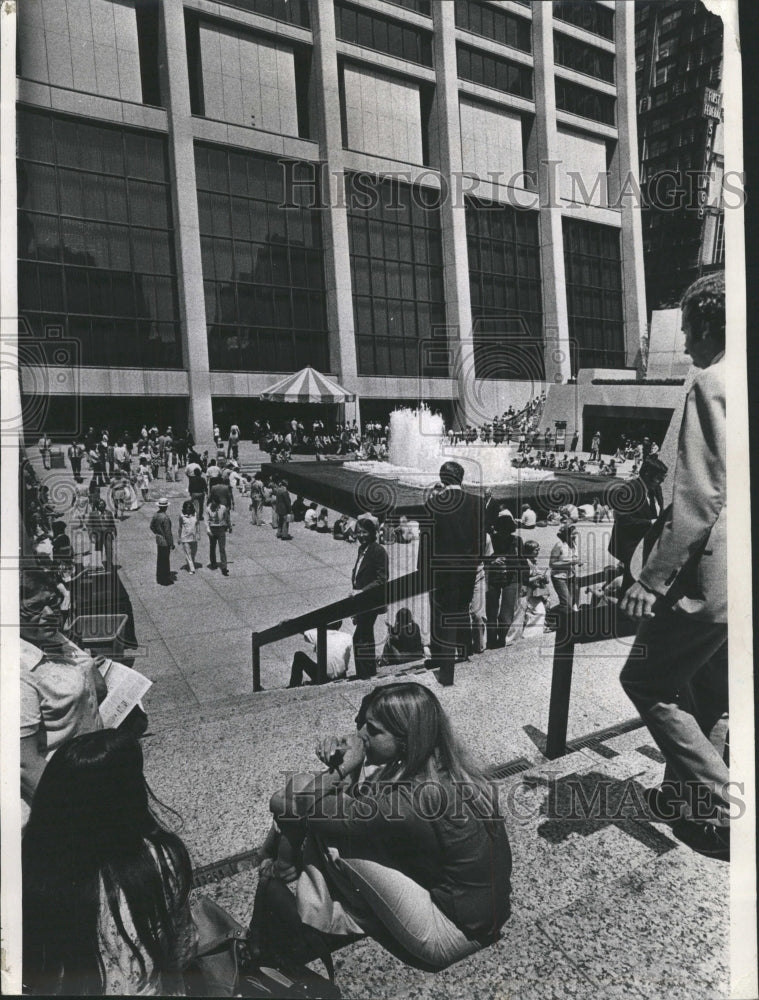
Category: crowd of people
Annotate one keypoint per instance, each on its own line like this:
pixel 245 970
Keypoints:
pixel 398 835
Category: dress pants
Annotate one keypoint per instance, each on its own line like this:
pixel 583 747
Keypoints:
pixel 163 564
pixel 283 526
pixel 364 644
pixel 449 617
pixel 198 499
pixel 501 605
pixel 676 676
pixel 220 538
pixel 302 664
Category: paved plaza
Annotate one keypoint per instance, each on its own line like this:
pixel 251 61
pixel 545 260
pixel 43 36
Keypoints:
pixel 605 906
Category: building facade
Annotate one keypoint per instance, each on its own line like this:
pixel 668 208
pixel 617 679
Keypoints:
pixel 421 199
pixel 678 46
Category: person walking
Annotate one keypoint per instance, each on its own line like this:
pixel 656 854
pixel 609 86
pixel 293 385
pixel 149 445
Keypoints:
pixel 160 525
pixel 196 486
pixel 233 443
pixel 595 448
pixel 677 671
pixel 283 507
pixel 217 526
pixel 370 573
pixel 188 533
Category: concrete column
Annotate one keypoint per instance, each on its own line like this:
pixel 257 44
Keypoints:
pixel 447 128
pixel 628 180
pixel 342 336
pixel 192 309
pixel 558 362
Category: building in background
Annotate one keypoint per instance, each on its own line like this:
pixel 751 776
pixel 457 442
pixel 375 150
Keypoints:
pixel 678 52
pixel 420 199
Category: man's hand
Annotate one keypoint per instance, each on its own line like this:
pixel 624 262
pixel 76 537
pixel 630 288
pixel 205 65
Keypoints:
pixel 639 602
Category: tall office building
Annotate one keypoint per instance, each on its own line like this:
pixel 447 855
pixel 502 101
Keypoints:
pixel 678 48
pixel 419 198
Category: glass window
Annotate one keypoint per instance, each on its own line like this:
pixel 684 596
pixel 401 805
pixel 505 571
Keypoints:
pixel 590 16
pixel 383 34
pixel 586 103
pixel 395 291
pixel 265 305
pixel 99 259
pixel 493 71
pixel 489 22
pixel 594 293
pixel 583 58
pixel 507 314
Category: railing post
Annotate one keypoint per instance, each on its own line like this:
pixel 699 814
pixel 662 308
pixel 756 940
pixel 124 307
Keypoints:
pixel 561 687
pixel 256 663
pixel 321 654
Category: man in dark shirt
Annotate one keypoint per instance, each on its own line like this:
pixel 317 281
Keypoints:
pixel 633 523
pixel 160 525
pixel 452 545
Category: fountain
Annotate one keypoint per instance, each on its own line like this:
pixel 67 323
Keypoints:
pixel 419 444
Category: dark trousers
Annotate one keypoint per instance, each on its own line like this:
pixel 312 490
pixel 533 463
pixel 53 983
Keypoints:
pixel 500 607
pixel 219 537
pixel 197 499
pixel 364 645
pixel 450 621
pixel 76 469
pixel 676 676
pixel 163 565
pixel 302 664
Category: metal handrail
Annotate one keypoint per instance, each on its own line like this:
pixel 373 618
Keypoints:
pixel 572 628
pixel 399 589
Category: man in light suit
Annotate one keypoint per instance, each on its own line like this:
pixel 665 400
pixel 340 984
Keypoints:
pixel 678 679
pixel 451 547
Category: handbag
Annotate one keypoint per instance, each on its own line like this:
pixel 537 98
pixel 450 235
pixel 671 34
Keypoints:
pixel 223 966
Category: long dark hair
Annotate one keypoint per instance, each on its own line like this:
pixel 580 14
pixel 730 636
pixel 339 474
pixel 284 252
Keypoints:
pixel 92 831
pixel 430 751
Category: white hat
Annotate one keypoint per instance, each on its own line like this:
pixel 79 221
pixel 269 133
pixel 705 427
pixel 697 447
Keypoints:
pixel 163 502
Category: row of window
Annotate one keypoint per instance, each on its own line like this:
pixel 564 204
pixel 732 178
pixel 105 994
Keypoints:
pixel 500 25
pixel 493 71
pixel 291 11
pixel 394 38
pixel 583 58
pixel 587 103
pixel 111 285
pixel 590 16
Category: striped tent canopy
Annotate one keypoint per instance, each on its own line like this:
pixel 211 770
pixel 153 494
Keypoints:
pixel 307 386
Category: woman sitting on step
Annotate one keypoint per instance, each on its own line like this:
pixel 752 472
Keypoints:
pixel 414 854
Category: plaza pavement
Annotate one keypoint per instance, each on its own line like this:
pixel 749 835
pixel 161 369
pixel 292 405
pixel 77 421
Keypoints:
pixel 606 906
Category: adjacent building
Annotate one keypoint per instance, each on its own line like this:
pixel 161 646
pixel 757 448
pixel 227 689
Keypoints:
pixel 678 53
pixel 421 199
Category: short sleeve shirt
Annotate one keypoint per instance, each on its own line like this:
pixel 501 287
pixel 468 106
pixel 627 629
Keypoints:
pixel 58 698
pixel 339 647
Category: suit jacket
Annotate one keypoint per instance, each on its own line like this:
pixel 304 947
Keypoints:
pixel 633 523
pixel 453 533
pixel 688 564
pixel 370 569
pixel 160 525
